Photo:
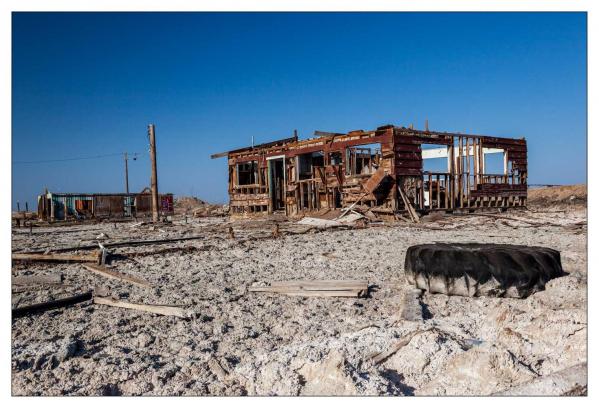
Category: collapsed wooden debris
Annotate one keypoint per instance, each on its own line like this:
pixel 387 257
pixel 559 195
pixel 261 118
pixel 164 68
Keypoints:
pixel 111 274
pixel 324 223
pixel 164 310
pixel 53 304
pixel 381 167
pixel 322 288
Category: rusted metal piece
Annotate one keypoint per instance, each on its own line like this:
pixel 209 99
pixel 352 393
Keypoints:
pixel 371 168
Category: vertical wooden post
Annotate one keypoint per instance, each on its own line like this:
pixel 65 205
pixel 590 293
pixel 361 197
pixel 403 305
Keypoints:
pixel 460 171
pixel 477 161
pixel 451 171
pixel 447 180
pixel 468 171
pixel 154 176
pixel 126 173
pixel 438 191
pixel 430 192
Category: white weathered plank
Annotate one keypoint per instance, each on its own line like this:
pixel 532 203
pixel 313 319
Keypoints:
pixel 108 273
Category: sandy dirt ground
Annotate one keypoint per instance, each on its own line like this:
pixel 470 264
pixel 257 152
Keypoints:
pixel 241 343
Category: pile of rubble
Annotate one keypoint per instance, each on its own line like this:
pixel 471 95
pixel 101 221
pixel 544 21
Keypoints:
pixel 199 208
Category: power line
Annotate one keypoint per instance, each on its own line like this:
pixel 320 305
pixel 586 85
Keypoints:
pixel 71 159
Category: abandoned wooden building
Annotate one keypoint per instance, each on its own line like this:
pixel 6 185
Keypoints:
pixel 390 169
pixel 64 206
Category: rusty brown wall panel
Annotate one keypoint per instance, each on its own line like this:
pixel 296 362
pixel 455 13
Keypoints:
pixel 490 187
pixel 112 206
pixel 407 172
pixel 502 194
pixel 143 204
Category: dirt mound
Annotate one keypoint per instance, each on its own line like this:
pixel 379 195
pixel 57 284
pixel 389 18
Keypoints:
pixel 188 203
pixel 558 196
pixel 198 207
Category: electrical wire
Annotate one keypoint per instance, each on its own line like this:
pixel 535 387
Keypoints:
pixel 135 157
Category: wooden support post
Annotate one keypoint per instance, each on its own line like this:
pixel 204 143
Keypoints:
pixel 446 190
pixel 460 171
pixel 154 175
pixel 430 192
pixel 438 191
pixel 468 172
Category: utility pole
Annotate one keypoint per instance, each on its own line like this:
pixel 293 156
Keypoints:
pixel 126 174
pixel 154 179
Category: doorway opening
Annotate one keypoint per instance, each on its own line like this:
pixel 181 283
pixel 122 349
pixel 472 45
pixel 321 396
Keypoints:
pixel 276 183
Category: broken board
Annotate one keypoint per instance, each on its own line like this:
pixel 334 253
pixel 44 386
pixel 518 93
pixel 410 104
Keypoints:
pixel 322 288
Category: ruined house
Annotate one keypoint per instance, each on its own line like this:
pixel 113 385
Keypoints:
pixel 391 169
pixel 65 206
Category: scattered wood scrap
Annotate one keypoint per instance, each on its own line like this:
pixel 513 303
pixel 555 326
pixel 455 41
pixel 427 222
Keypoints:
pixel 411 211
pixel 108 273
pixel 156 309
pixel 410 308
pixel 53 304
pixel 384 355
pixel 322 288
pixel 33 257
pixel 218 370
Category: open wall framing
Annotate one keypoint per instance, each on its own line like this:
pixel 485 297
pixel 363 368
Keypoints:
pixel 380 169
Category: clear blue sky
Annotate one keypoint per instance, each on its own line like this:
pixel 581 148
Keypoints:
pixel 88 84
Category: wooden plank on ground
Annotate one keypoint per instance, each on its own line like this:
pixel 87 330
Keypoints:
pixel 382 356
pixel 29 257
pixel 326 288
pixel 54 304
pixel 108 273
pixel 324 284
pixel 156 309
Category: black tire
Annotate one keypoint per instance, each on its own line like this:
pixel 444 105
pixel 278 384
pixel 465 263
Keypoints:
pixel 481 269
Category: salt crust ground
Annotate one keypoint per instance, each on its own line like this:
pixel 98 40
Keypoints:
pixel 269 344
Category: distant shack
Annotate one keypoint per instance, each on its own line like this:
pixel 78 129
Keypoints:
pixel 71 206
